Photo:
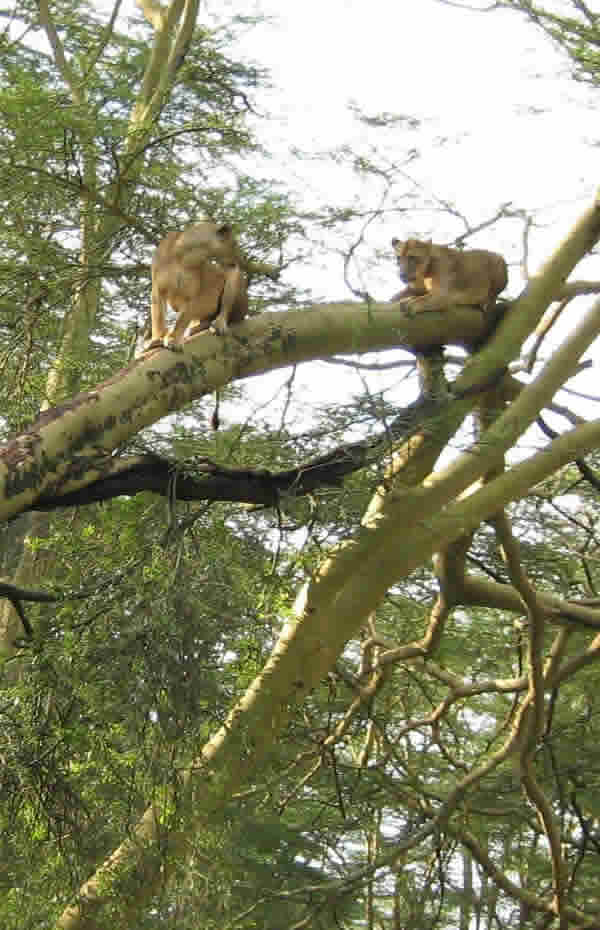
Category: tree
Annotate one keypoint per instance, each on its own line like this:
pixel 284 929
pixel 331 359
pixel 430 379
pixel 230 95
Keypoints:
pixel 118 126
pixel 214 726
pixel 574 28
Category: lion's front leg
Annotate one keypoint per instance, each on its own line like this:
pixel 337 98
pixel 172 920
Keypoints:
pixel 425 304
pixel 440 302
pixel 158 317
pixel 174 338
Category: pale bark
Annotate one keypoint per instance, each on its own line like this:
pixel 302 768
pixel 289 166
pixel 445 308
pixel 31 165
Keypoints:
pixel 355 576
pixel 151 387
pixel 307 648
pixel 330 609
pixel 163 382
pixel 541 290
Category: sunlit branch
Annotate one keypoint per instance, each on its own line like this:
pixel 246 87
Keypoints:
pixel 59 54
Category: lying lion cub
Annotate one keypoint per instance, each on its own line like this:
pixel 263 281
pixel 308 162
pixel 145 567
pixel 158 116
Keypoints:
pixel 448 276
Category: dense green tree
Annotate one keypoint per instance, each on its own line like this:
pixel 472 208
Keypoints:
pixel 334 666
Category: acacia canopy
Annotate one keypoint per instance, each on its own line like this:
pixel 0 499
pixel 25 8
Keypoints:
pixel 329 669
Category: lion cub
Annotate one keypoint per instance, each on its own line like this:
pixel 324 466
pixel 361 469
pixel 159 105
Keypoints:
pixel 198 273
pixel 446 276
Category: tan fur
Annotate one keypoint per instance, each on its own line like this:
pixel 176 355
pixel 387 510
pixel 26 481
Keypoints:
pixel 197 273
pixel 443 276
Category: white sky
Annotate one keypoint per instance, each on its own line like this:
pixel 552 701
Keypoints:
pixel 520 130
pixel 472 72
pixel 472 75
pixel 493 82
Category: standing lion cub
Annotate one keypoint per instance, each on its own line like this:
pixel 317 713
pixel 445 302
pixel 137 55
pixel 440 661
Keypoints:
pixel 445 276
pixel 198 273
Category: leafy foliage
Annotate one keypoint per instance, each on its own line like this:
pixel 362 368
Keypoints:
pixel 387 800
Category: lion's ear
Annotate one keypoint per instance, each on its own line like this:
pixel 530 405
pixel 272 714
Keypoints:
pixel 224 231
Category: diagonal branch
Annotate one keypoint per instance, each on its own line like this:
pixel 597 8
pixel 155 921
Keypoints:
pixel 541 290
pixel 60 59
pixel 533 723
pixel 165 57
pixel 104 39
pixel 512 423
pixel 207 480
pixel 512 557
pixel 68 439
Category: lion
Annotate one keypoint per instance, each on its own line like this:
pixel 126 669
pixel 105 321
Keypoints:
pixel 197 272
pixel 445 276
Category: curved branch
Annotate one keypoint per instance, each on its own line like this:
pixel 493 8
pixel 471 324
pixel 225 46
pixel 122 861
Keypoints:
pixel 541 290
pixel 69 440
pixel 59 53
pixel 204 479
pixel 577 289
pixel 351 580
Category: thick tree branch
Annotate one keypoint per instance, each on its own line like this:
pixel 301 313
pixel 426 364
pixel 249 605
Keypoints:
pixel 173 29
pixel 512 423
pixel 526 312
pixel 356 574
pixel 159 383
pixel 577 289
pixel 68 440
pixel 584 469
pixel 207 480
pixel 340 598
